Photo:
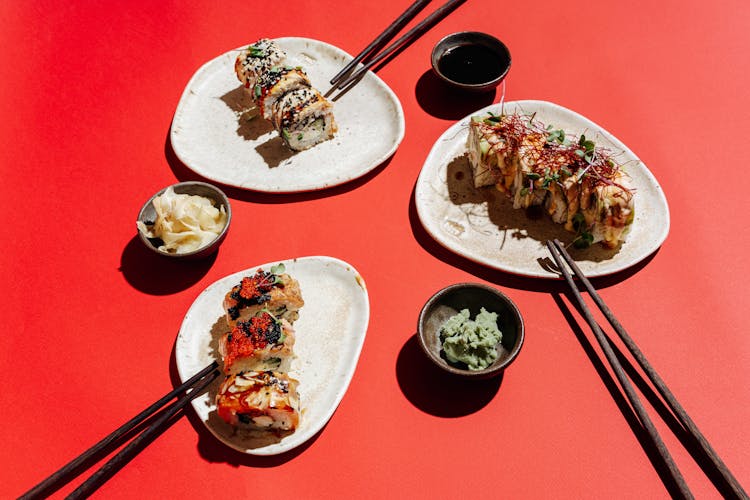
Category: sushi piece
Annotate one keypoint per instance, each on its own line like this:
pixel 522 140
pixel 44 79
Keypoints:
pixel 275 83
pixel 256 60
pixel 607 209
pixel 258 344
pixel 304 118
pixel 487 151
pixel 264 400
pixel 527 184
pixel 274 291
pixel 563 200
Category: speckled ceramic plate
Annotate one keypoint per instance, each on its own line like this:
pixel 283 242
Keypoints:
pixel 216 134
pixel 330 332
pixel 481 224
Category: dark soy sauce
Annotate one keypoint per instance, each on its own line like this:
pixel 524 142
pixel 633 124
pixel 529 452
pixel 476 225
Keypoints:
pixel 472 64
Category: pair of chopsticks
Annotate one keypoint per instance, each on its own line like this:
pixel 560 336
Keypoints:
pixel 184 393
pixel 369 57
pixel 735 489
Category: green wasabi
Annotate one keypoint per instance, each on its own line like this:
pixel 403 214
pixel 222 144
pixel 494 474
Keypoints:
pixel 471 342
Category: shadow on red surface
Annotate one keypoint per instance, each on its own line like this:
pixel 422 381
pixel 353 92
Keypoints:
pixel 436 392
pixel 150 273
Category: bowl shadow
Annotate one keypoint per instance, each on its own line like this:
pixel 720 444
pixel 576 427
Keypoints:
pixel 440 100
pixel 437 392
pixel 154 274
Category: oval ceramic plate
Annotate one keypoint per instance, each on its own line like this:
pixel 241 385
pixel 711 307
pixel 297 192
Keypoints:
pixel 481 224
pixel 216 133
pixel 330 332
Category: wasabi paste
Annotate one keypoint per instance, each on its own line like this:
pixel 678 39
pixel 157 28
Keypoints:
pixel 471 342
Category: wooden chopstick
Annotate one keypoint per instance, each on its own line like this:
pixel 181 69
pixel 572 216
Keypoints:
pixel 64 474
pixel 659 445
pixel 410 36
pixel 382 39
pixel 653 376
pixel 123 456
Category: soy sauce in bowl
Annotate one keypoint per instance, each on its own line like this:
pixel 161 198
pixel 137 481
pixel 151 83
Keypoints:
pixel 472 64
pixel 471 60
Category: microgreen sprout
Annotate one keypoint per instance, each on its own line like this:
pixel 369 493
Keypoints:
pixel 584 238
pixel 586 150
pixel 276 271
pixel 557 136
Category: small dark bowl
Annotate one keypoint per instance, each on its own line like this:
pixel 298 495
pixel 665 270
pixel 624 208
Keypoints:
pixel 473 296
pixel 471 60
pixel 148 214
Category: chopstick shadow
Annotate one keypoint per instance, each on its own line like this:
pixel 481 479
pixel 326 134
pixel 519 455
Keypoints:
pixel 214 451
pixel 437 392
pixel 183 173
pixel 64 479
pixel 686 438
pixel 619 398
pixel 690 442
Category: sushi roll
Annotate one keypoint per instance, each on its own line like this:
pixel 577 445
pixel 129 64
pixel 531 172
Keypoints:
pixel 563 200
pixel 304 118
pixel 527 186
pixel 607 207
pixel 274 291
pixel 257 344
pixel 256 60
pixel 577 183
pixel 557 166
pixel 285 96
pixel 262 400
pixel 275 83
pixel 487 151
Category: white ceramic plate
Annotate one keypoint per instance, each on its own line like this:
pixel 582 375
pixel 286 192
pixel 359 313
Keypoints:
pixel 481 224
pixel 330 332
pixel 214 135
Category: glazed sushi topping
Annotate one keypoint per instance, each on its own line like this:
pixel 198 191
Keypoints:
pixel 576 181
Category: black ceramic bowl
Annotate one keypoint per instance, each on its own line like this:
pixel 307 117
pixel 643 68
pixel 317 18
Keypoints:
pixel 471 60
pixel 473 296
pixel 216 195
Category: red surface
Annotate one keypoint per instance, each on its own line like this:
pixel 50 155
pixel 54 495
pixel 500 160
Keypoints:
pixel 90 318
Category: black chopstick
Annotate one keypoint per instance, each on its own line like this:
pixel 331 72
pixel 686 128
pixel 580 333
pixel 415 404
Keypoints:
pixel 653 376
pixel 123 456
pixel 54 481
pixel 402 42
pixel 382 39
pixel 646 422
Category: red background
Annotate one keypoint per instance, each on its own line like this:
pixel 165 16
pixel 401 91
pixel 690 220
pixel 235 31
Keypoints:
pixel 90 317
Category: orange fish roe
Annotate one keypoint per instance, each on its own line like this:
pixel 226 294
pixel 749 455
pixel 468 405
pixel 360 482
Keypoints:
pixel 254 287
pixel 249 336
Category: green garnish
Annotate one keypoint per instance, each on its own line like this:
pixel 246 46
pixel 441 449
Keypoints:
pixel 256 51
pixel 584 239
pixel 556 135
